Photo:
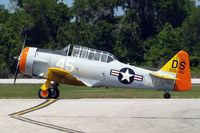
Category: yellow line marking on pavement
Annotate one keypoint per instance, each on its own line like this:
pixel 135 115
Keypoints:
pixel 44 104
pixel 18 115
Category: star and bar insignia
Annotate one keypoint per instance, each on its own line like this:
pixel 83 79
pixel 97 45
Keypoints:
pixel 126 75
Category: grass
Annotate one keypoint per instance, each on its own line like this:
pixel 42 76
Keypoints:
pixel 68 92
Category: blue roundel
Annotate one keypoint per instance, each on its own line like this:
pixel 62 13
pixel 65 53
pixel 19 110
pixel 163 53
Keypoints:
pixel 126 75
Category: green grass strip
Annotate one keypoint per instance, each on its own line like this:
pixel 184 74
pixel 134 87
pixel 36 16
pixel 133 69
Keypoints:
pixel 71 92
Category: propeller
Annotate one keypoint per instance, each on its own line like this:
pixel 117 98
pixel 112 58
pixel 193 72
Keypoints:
pixel 18 60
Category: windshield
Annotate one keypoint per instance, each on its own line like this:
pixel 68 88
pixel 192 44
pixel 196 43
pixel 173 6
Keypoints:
pixel 66 49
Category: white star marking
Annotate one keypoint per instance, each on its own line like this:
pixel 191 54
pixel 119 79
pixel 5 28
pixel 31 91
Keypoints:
pixel 126 75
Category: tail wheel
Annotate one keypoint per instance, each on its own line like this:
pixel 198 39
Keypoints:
pixel 167 96
pixel 44 94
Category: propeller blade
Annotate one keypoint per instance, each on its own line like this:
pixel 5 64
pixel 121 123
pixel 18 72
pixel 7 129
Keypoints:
pixel 18 59
pixel 24 43
pixel 16 72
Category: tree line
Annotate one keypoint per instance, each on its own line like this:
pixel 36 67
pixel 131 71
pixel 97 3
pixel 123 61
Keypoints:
pixel 148 34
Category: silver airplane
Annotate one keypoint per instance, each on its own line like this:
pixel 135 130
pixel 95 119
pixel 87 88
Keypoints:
pixel 94 68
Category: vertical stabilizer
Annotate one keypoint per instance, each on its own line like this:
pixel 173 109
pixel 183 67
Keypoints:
pixel 183 73
pixel 178 68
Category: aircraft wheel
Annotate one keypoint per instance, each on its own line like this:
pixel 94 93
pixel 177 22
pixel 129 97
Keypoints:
pixel 44 94
pixel 55 93
pixel 167 96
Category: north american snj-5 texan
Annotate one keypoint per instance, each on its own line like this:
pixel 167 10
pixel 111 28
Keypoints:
pixel 94 68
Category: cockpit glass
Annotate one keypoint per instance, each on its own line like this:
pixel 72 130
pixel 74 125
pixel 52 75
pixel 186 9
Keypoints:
pixel 75 52
pixel 97 56
pixel 92 54
pixel 66 49
pixel 109 59
pixel 84 52
pixel 76 46
pixel 104 58
pixel 114 57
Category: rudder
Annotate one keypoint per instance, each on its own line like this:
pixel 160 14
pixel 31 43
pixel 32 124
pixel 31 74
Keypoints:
pixel 183 73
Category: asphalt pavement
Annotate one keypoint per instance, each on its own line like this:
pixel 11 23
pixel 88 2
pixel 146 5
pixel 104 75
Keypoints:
pixel 100 115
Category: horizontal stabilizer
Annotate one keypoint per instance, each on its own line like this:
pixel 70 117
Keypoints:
pixel 163 76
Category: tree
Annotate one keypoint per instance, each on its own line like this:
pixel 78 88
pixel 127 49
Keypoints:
pixel 4 14
pixel 144 19
pixel 155 13
pixel 172 11
pixel 48 16
pixel 151 31
pixel 164 46
pixel 75 33
pixel 11 39
pixel 128 42
pixel 94 10
pixel 98 17
pixel 191 28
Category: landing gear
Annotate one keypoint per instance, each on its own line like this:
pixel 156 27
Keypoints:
pixel 44 94
pixel 55 93
pixel 51 92
pixel 167 95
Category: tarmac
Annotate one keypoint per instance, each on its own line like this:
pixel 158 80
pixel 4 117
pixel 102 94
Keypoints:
pixel 100 115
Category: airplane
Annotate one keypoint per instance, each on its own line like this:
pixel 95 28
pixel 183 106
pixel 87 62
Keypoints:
pixel 95 68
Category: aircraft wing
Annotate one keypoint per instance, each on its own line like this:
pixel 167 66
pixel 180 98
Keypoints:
pixel 62 76
pixel 163 76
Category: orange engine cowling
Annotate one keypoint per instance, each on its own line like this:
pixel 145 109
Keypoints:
pixel 23 58
pixel 26 60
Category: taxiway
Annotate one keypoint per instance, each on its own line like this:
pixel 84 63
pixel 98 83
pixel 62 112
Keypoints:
pixel 100 115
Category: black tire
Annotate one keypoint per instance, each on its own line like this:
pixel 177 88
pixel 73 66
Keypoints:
pixel 55 93
pixel 44 94
pixel 167 96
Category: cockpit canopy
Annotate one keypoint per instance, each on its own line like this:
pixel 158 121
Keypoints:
pixel 92 54
pixel 83 52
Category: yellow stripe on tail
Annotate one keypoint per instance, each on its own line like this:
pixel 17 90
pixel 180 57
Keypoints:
pixel 172 65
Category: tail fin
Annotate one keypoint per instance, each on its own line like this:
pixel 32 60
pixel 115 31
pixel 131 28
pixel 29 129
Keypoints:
pixel 179 66
pixel 184 84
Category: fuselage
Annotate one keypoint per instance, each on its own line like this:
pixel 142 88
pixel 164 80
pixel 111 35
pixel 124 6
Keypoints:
pixel 94 73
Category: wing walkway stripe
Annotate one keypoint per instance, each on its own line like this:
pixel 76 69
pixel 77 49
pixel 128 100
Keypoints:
pixel 18 115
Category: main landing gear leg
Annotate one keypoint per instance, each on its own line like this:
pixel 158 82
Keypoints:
pixel 49 90
pixel 167 95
